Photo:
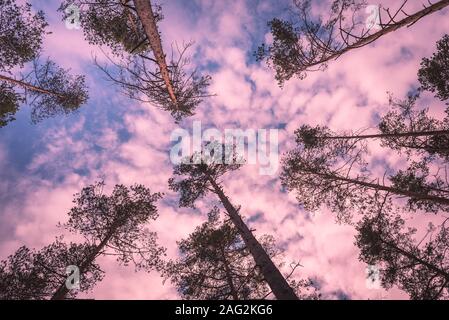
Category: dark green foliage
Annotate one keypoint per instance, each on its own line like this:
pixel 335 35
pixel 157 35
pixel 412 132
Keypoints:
pixel 404 116
pixel 404 128
pixel 201 173
pixel 111 225
pixel 419 267
pixel 21 33
pixel 312 137
pixel 216 265
pixel 336 174
pixel 417 178
pixel 118 222
pixel 9 104
pixel 69 92
pixel 52 89
pixel 116 24
pixel 112 23
pixel 434 72
pixel 36 275
pixel 313 173
pixel 141 80
pixel 306 43
pixel 196 171
pixel 283 54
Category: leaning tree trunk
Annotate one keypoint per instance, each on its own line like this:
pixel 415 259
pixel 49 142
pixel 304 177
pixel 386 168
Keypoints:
pixel 401 192
pixel 271 273
pixel 409 20
pixel 229 275
pixel 146 16
pixel 29 86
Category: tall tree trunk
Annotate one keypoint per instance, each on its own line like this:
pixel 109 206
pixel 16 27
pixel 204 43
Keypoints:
pixel 146 16
pixel 229 276
pixel 389 135
pixel 409 20
pixel 410 194
pixel 271 273
pixel 29 86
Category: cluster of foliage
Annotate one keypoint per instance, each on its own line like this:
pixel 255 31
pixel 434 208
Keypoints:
pixel 49 89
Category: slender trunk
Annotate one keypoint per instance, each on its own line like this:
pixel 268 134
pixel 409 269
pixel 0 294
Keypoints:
pixel 389 135
pixel 429 266
pixel 375 186
pixel 146 16
pixel 271 273
pixel 62 291
pixel 28 86
pixel 229 276
pixel 409 20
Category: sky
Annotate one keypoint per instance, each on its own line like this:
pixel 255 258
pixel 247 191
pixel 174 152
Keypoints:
pixel 125 141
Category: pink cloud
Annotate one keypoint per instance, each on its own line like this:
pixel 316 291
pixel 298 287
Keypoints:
pixel 345 97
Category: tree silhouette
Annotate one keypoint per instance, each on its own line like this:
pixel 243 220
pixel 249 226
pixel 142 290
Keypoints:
pixel 140 65
pixel 200 174
pixel 52 90
pixel 420 268
pixel 216 265
pixel 403 128
pixel 111 225
pixel 21 34
pixel 141 81
pixel 114 24
pixel 307 43
pixel 115 225
pixel 434 72
pixel 146 15
pixel 335 174
pixel 9 104
pixel 36 275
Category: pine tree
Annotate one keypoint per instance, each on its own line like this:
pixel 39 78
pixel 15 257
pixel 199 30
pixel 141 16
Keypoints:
pixel 308 44
pixel 51 90
pixel 403 128
pixel 36 275
pixel 114 24
pixel 216 265
pixel 140 66
pixel 21 34
pixel 9 104
pixel 199 175
pixel 434 72
pixel 420 268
